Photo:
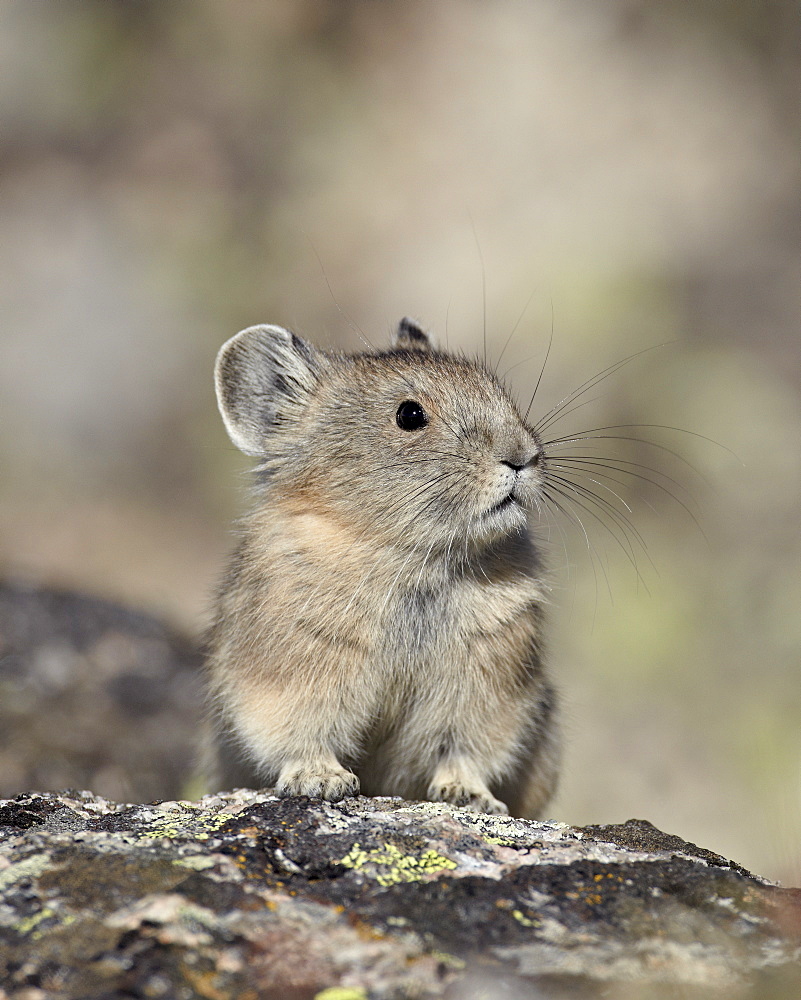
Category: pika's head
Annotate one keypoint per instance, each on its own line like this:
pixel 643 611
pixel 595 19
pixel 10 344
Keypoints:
pixel 410 445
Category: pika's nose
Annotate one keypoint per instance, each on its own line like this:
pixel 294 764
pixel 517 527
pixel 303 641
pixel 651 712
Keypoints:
pixel 519 462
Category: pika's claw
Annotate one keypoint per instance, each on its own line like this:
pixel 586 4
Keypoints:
pixel 477 800
pixel 328 783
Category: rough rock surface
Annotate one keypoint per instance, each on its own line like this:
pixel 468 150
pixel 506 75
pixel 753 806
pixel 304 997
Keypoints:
pixel 94 695
pixel 250 896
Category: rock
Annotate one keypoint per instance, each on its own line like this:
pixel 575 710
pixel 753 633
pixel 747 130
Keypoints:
pixel 250 896
pixel 94 695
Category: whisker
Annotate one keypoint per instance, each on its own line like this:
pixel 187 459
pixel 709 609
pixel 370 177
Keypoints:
pixel 619 519
pixel 512 333
pixel 635 475
pixel 593 552
pixel 483 284
pixel 663 427
pixel 435 457
pixel 351 323
pixel 614 463
pixel 591 382
pixel 580 472
pixel 607 507
pixel 432 501
pixel 517 364
pixel 411 497
pixel 592 436
pixel 454 430
pixel 542 370
pixel 561 415
pixel 680 430
pixel 543 511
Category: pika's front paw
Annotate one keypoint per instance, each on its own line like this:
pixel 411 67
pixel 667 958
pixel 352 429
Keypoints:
pixel 328 783
pixel 476 799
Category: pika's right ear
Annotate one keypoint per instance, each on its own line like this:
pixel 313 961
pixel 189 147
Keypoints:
pixel 263 377
pixel 411 337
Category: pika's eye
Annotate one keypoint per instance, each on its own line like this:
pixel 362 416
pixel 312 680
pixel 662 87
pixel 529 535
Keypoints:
pixel 411 416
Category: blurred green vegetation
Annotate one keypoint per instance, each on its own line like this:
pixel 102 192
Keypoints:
pixel 174 172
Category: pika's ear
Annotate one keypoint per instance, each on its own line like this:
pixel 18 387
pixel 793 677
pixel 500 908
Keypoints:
pixel 410 337
pixel 263 377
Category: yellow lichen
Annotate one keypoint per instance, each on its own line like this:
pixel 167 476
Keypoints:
pixel 30 925
pixel 27 924
pixel 341 993
pixel 522 919
pixel 450 961
pixel 186 820
pixel 391 866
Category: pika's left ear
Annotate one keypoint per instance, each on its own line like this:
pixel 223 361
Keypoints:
pixel 264 377
pixel 409 337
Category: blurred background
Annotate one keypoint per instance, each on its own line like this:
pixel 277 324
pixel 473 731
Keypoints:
pixel 622 174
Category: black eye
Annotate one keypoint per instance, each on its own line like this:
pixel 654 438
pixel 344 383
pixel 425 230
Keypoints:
pixel 411 416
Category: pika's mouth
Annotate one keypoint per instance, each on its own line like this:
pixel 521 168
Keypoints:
pixel 508 501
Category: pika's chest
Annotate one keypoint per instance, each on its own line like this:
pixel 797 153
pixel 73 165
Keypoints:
pixel 418 619
pixel 423 621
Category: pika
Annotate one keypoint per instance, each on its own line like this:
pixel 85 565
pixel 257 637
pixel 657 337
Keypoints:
pixel 380 628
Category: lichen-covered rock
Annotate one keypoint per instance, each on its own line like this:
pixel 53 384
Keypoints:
pixel 250 896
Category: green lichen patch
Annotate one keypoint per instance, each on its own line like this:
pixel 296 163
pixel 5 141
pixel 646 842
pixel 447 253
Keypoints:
pixel 341 993
pixel 175 821
pixel 523 920
pixel 32 925
pixel 388 865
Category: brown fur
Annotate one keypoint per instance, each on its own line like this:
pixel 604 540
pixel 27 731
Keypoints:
pixel 380 627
